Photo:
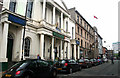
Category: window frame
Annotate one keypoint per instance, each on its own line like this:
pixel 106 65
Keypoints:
pixel 12 5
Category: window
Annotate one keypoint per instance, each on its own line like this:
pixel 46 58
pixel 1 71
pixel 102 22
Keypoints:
pixel 29 8
pixel 84 24
pixel 81 43
pixel 81 32
pixel 81 21
pixel 27 47
pixel 51 17
pixel 46 13
pixel 12 5
pixel 85 35
pixel 78 29
pixel 87 27
pixel 66 26
pixel 85 44
pixel 42 63
pixel 78 18
pixel 72 31
pixel 33 64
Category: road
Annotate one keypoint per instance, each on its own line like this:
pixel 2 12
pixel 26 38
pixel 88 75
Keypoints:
pixel 105 70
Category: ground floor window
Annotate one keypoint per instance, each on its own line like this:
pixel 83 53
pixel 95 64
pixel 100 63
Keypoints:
pixel 27 47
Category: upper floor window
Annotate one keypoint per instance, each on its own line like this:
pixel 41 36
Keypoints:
pixel 59 22
pixel 85 35
pixel 81 21
pixel 84 24
pixel 85 44
pixel 87 27
pixel 81 32
pixel 29 8
pixel 12 5
pixel 27 46
pixel 81 43
pixel 72 31
pixel 66 26
pixel 78 29
pixel 78 18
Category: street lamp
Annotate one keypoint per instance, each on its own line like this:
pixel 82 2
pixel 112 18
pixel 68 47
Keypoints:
pixel 24 33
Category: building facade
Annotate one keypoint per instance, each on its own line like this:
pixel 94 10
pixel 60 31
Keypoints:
pixel 84 35
pixel 45 27
pixel 98 44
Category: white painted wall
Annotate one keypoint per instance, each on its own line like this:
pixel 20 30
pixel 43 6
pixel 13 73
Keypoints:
pixel 71 24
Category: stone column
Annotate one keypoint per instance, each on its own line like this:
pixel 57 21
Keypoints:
pixel 53 55
pixel 4 42
pixel 68 44
pixel 74 51
pixel 61 55
pixel 64 54
pixel 41 46
pixel 53 15
pixel 0 37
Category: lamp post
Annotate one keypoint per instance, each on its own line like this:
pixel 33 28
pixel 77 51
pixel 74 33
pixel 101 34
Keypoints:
pixel 24 33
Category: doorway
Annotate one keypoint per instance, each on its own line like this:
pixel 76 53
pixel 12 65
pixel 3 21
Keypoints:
pixel 9 47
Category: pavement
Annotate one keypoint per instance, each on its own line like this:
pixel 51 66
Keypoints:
pixel 0 74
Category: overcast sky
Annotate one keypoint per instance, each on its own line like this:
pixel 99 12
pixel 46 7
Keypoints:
pixel 107 13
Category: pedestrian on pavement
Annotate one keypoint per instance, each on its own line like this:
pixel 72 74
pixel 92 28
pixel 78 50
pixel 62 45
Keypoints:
pixel 38 57
pixel 112 62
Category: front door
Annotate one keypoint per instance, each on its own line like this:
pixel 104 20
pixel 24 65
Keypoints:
pixel 9 47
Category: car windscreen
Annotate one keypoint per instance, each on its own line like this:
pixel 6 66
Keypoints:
pixel 81 60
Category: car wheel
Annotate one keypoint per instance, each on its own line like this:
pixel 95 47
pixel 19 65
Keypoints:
pixel 54 74
pixel 70 70
pixel 80 68
pixel 87 66
pixel 27 76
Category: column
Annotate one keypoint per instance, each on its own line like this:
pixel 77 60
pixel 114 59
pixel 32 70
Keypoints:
pixel 74 51
pixel 0 37
pixel 41 46
pixel 61 52
pixel 44 6
pixel 4 42
pixel 68 44
pixel 64 52
pixel 53 15
pixel 21 41
pixel 53 55
pixel 78 51
pixel 61 20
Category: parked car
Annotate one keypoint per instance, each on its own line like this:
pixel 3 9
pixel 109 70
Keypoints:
pixel 67 66
pixel 99 61
pixel 105 60
pixel 32 68
pixel 93 62
pixel 85 63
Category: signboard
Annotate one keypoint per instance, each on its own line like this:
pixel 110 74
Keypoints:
pixel 17 20
pixel 58 35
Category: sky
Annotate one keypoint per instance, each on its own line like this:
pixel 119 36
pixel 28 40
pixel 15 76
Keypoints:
pixel 107 13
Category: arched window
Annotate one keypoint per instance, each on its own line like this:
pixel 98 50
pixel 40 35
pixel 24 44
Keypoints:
pixel 27 47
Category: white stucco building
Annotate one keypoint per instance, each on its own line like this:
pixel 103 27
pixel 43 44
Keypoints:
pixel 48 30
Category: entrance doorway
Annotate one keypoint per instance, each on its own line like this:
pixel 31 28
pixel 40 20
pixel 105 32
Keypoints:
pixel 9 47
